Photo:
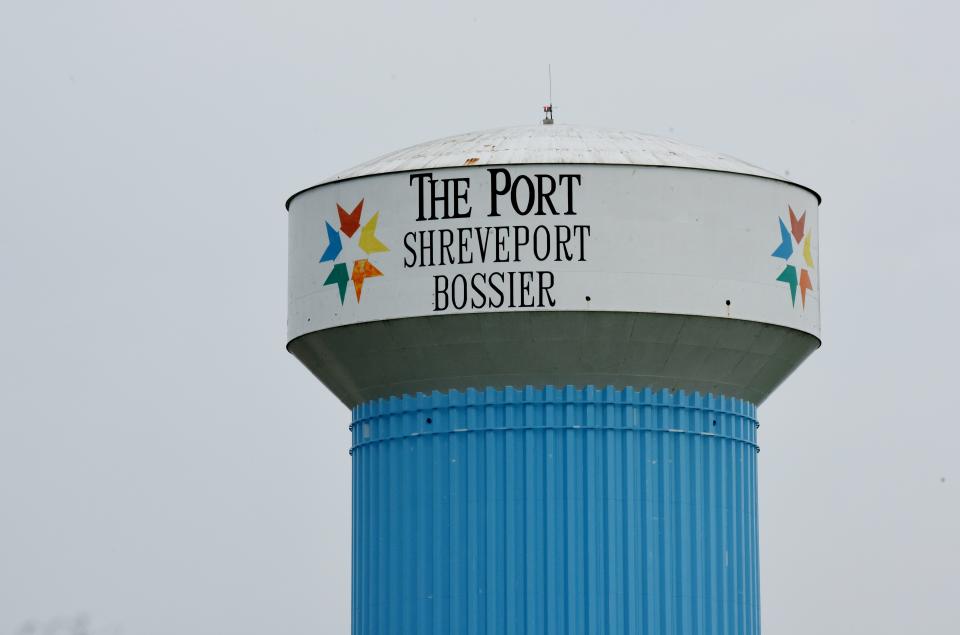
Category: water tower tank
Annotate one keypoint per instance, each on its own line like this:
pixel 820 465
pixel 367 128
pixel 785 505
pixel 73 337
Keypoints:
pixel 554 340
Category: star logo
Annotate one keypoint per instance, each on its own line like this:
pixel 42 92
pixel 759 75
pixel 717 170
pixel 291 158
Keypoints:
pixel 366 245
pixel 798 260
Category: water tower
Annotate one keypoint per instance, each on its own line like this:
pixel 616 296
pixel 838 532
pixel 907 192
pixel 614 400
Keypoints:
pixel 554 340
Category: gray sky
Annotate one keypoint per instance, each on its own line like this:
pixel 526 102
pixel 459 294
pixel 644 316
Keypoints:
pixel 166 467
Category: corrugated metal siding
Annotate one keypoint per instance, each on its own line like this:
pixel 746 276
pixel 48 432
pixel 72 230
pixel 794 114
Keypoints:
pixel 556 510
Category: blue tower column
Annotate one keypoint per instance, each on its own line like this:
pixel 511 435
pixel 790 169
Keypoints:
pixel 555 510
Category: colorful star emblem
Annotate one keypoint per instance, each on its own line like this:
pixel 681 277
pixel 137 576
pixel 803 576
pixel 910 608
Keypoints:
pixel 795 250
pixel 368 243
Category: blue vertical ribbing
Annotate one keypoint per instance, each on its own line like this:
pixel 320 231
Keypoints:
pixel 558 510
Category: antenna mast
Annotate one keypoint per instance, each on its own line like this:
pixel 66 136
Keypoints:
pixel 548 109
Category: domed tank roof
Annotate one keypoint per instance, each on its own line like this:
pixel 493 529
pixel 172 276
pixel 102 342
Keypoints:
pixel 557 143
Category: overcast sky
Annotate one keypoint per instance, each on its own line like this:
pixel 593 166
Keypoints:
pixel 166 467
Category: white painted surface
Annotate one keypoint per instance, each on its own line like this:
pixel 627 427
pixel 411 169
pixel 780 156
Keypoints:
pixel 558 143
pixel 661 240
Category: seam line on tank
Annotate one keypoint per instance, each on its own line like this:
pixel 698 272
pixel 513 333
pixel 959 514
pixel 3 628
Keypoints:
pixel 414 435
pixel 387 411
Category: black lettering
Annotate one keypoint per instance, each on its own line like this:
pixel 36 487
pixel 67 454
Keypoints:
pixel 496 289
pixel 517 243
pixel 482 241
pixel 494 192
pixel 530 195
pixel 562 243
pixel 458 289
pixel 446 242
pixel 413 253
pixel 420 178
pixel 478 291
pixel 584 232
pixel 434 198
pixel 526 278
pixel 545 287
pixel 458 196
pixel 437 291
pixel 570 178
pixel 545 195
pixel 426 247
pixel 463 242
pixel 501 255
pixel 541 239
